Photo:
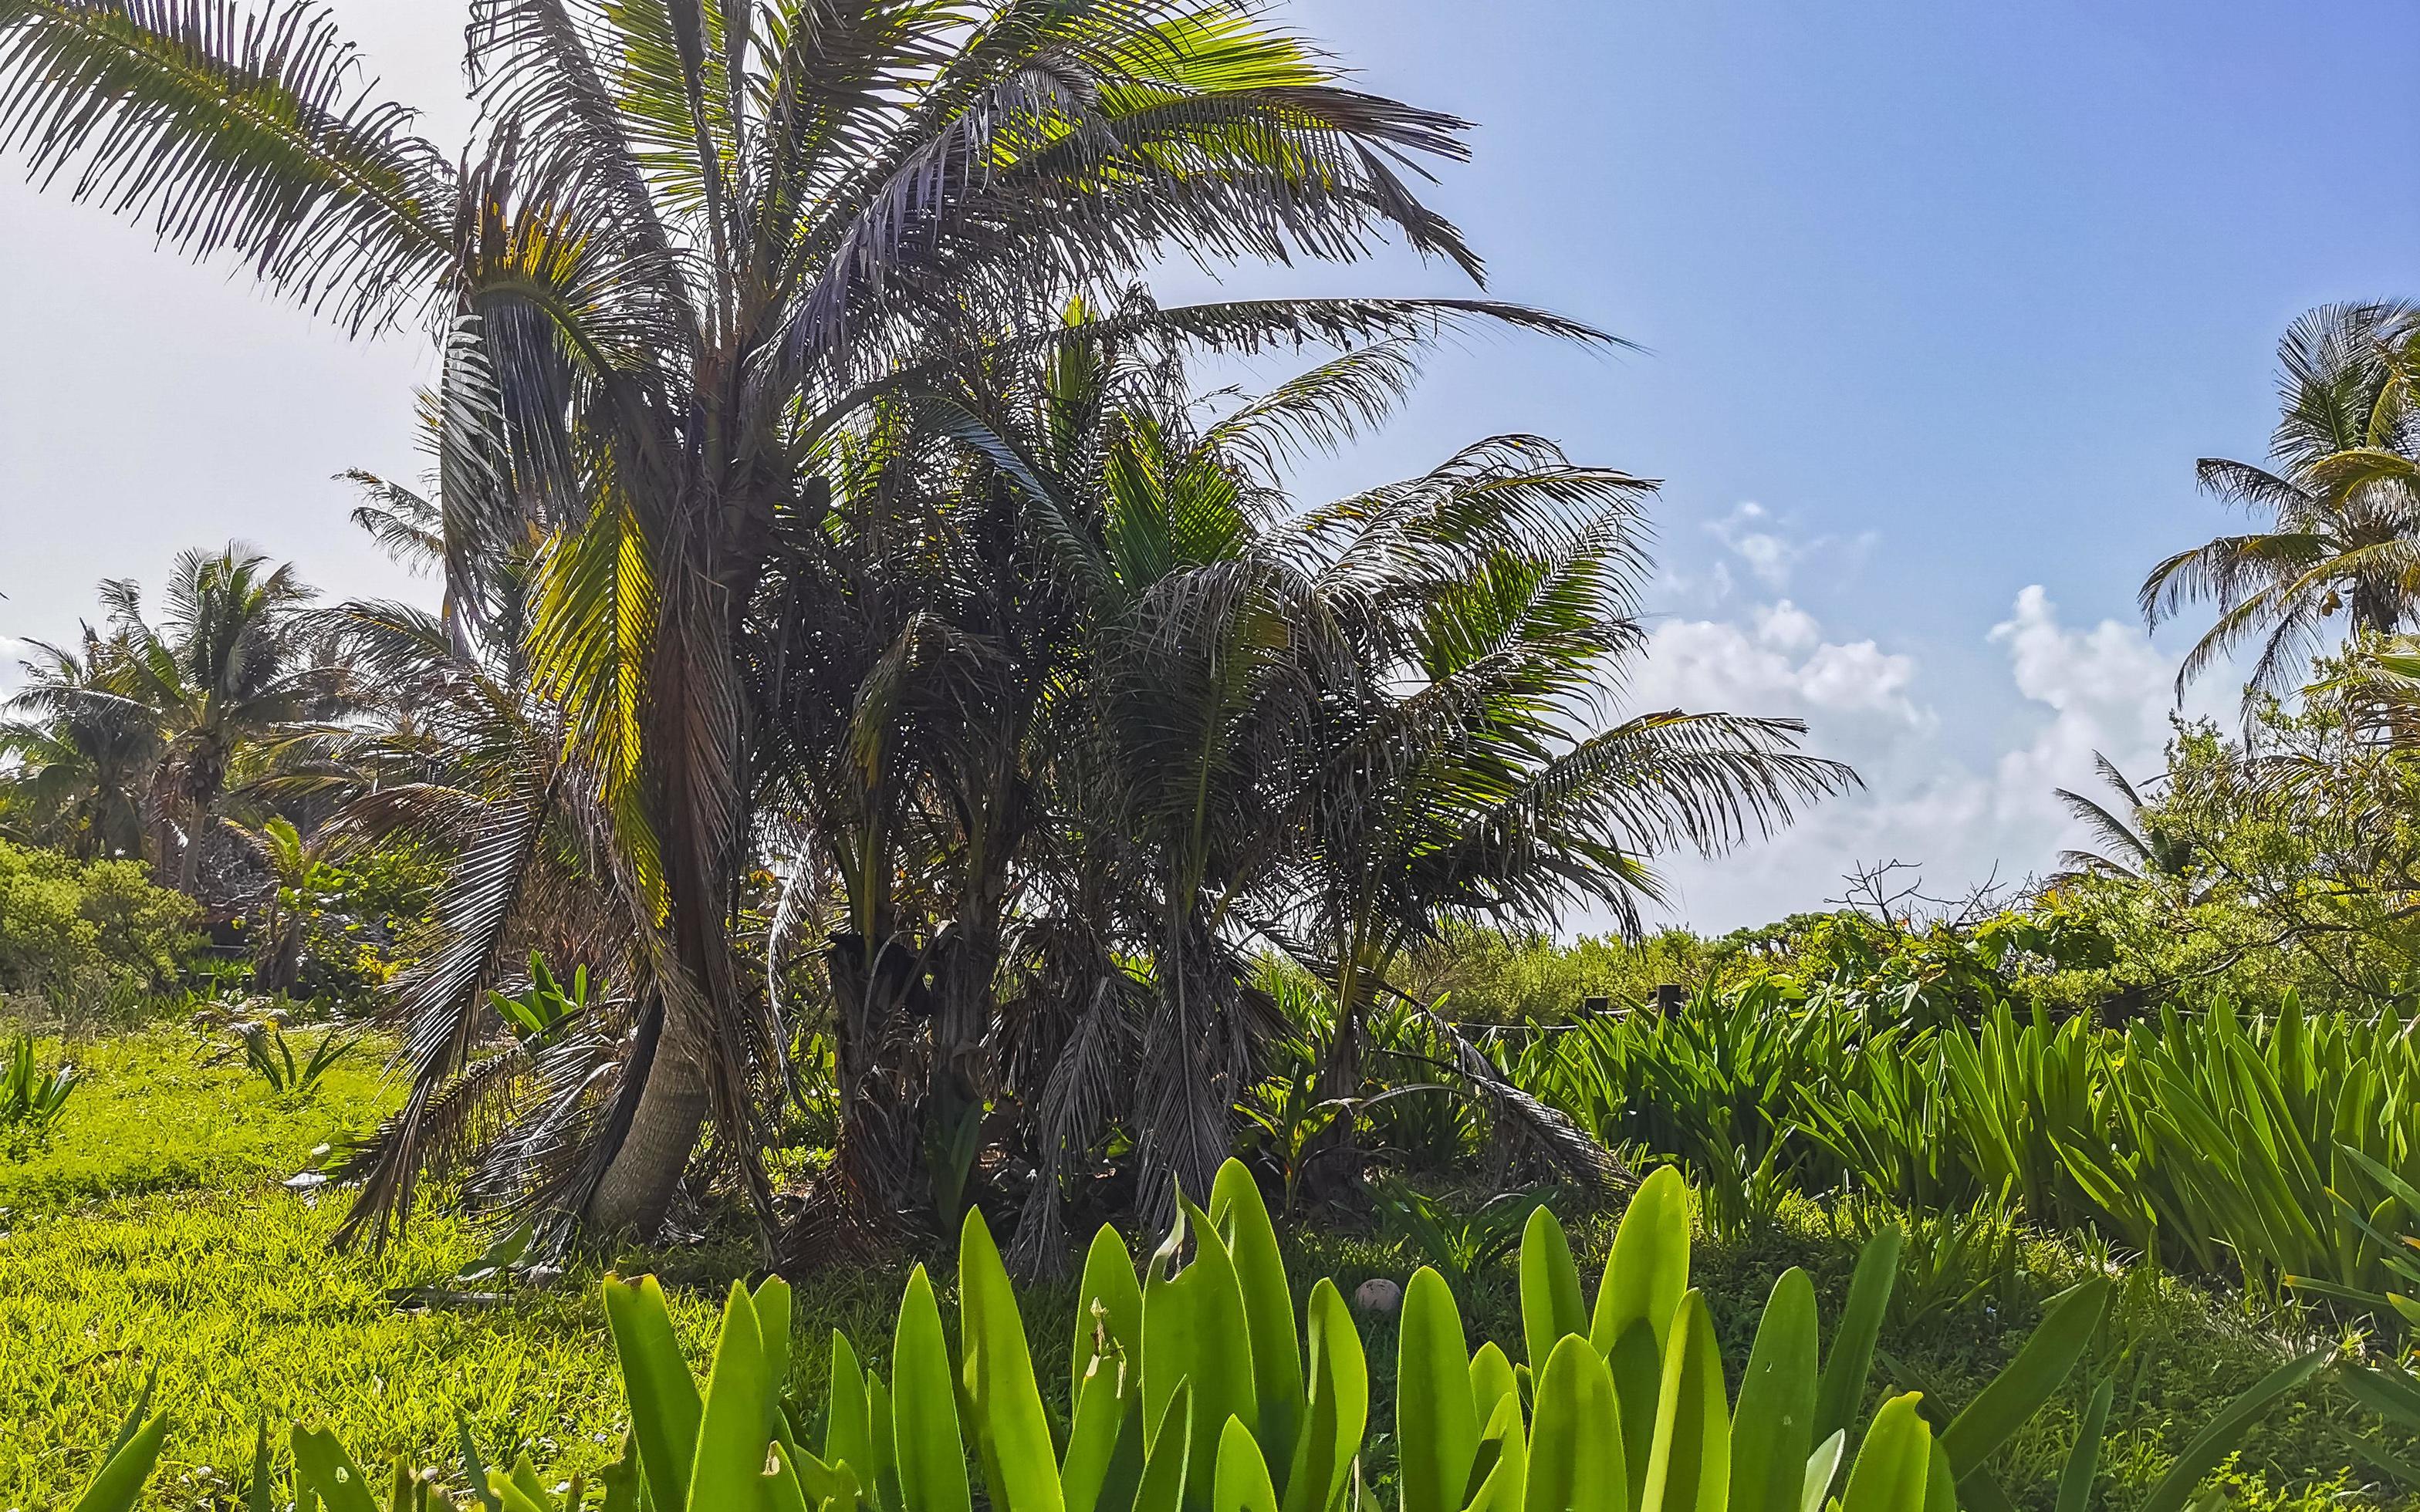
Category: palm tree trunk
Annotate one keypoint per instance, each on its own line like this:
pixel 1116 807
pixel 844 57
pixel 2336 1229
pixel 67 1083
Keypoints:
pixel 639 1183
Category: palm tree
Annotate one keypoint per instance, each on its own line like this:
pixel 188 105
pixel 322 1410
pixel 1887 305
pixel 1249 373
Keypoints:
pixel 1479 775
pixel 2340 503
pixel 691 239
pixel 81 761
pixel 227 668
pixel 2134 841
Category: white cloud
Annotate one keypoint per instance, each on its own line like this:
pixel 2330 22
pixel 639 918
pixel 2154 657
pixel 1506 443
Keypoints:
pixel 2070 690
pixel 1749 533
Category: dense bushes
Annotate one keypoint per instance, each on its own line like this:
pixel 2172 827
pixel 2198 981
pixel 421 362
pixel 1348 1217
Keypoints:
pixel 66 923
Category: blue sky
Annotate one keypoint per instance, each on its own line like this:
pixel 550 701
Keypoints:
pixel 1940 303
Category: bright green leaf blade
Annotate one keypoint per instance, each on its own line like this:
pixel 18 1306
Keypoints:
pixel 1240 1479
pixel 1012 1434
pixel 727 1473
pixel 923 1407
pixel 1689 1457
pixel 663 1394
pixel 2018 1392
pixel 1641 1289
pixel 848 1423
pixel 1165 1468
pixel 1240 1214
pixel 1437 1434
pixel 1576 1459
pixel 1491 1381
pixel 1550 1289
pixel 1339 1405
pixel 1851 1357
pixel 1821 1466
pixel 2083 1459
pixel 1109 1305
pixel 1894 1464
pixel 1773 1429
pixel 321 1464
pixel 119 1484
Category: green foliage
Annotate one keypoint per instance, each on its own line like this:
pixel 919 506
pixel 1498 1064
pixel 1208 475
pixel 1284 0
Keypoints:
pixel 271 1059
pixel 65 922
pixel 31 1098
pixel 2263 1147
pixel 1208 1398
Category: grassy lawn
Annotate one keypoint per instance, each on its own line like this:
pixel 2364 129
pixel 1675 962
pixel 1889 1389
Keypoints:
pixel 154 1234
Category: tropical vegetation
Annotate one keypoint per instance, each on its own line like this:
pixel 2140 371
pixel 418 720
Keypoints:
pixel 894 773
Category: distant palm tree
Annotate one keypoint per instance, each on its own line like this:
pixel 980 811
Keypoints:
pixel 692 238
pixel 81 753
pixel 227 668
pixel 2340 503
pixel 2134 843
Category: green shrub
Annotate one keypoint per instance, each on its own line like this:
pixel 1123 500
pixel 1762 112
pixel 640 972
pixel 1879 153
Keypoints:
pixel 63 922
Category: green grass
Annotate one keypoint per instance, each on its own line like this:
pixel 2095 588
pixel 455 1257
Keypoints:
pixel 154 1235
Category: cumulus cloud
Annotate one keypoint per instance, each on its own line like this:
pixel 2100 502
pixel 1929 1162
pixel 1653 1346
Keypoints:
pixel 2069 691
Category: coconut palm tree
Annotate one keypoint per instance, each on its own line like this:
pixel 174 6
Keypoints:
pixel 226 669
pixel 690 240
pixel 81 758
pixel 1483 775
pixel 2134 843
pixel 2339 505
pixel 184 700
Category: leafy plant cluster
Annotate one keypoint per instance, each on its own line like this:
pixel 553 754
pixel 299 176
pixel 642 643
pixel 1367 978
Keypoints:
pixel 67 926
pixel 1199 1385
pixel 2274 1148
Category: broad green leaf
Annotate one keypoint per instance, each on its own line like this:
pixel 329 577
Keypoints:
pixel 1242 1218
pixel 1505 1451
pixel 1895 1463
pixel 1193 1330
pixel 260 1493
pixel 1550 1289
pixel 664 1404
pixel 1109 1307
pixel 1940 1482
pixel 1020 1463
pixel 2018 1392
pixel 621 1480
pixel 1339 1405
pixel 1491 1381
pixel 2224 1433
pixel 923 1407
pixel 1437 1434
pixel 729 1468
pixel 321 1464
pixel 848 1425
pixel 1576 1462
pixel 783 1492
pixel 774 1314
pixel 1105 1443
pixel 1240 1480
pixel 2075 1481
pixel 1165 1468
pixel 1851 1360
pixel 880 1417
pixel 1821 1466
pixel 1773 1429
pixel 119 1484
pixel 1689 1456
pixel 1641 1289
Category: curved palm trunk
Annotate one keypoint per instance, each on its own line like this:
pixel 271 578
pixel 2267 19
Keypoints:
pixel 637 1189
pixel 692 733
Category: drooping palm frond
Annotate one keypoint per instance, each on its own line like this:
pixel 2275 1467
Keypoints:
pixel 227 130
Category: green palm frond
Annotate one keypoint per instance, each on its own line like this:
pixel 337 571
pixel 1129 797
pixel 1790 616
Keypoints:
pixel 224 131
